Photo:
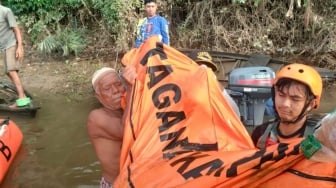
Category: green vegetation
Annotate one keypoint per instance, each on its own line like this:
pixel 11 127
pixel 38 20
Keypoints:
pixel 67 41
pixel 73 27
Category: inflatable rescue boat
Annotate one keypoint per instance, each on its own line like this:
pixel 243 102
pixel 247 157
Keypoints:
pixel 10 142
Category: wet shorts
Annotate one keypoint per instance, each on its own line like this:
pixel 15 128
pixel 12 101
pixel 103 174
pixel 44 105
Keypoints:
pixel 9 60
pixel 105 184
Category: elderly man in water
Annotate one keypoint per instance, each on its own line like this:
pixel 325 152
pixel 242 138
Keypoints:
pixel 104 125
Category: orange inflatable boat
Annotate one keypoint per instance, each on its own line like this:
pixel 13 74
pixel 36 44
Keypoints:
pixel 10 142
pixel 181 132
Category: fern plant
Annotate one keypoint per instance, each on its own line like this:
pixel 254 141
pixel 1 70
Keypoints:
pixel 67 41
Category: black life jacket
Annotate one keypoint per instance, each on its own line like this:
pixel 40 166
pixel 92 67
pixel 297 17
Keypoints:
pixel 311 125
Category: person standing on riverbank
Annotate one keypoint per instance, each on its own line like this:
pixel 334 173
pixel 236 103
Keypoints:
pixel 152 24
pixel 12 52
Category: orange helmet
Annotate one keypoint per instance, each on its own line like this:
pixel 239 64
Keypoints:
pixel 305 74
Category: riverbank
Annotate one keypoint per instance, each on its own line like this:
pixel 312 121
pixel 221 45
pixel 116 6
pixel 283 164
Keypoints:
pixel 69 78
pixel 72 78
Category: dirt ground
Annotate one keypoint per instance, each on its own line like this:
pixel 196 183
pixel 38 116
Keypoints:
pixel 68 77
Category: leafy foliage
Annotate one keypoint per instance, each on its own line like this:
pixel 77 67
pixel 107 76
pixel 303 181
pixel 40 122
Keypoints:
pixel 21 7
pixel 66 41
pixel 256 26
pixel 228 25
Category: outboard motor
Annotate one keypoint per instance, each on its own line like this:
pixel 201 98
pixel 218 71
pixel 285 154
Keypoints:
pixel 250 87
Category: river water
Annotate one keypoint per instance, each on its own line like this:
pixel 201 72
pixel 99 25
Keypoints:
pixel 56 151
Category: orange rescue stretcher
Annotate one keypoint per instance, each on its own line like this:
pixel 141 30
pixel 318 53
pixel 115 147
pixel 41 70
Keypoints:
pixel 181 132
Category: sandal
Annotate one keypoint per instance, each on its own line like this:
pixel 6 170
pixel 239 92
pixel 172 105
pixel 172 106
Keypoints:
pixel 22 102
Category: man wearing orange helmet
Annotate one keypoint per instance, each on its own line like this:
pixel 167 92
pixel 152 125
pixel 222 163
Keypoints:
pixel 296 91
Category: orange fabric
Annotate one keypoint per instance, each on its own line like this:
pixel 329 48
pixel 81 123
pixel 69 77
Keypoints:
pixel 181 132
pixel 314 174
pixel 10 142
pixel 123 102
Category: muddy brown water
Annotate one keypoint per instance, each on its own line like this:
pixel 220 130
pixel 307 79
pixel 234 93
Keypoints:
pixel 56 151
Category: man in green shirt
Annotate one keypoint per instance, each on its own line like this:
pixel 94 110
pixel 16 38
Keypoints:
pixel 12 52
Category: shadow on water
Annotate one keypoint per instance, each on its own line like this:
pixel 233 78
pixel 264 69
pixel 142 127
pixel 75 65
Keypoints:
pixel 56 151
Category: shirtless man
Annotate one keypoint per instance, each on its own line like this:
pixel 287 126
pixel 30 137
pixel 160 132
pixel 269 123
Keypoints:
pixel 104 125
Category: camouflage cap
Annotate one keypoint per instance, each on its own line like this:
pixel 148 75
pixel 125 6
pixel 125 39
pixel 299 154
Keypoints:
pixel 203 57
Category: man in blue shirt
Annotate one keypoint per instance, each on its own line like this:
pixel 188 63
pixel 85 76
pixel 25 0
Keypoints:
pixel 153 24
